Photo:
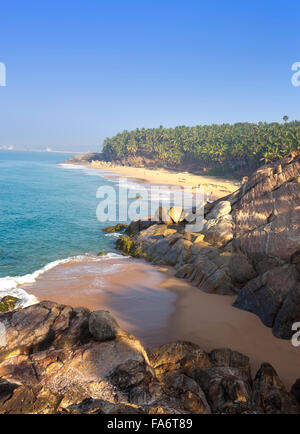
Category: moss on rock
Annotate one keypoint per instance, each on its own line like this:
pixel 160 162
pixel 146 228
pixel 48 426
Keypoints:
pixel 3 307
pixel 117 228
pixel 8 303
pixel 125 244
pixel 129 247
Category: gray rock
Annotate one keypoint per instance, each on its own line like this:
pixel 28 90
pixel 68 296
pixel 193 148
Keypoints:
pixel 270 393
pixel 240 269
pixel 295 390
pixel 162 215
pixel 218 231
pixel 53 365
pixel 266 297
pixel 177 214
pixel 222 208
pixel 103 326
pixel 226 388
pixel 288 314
pixel 139 225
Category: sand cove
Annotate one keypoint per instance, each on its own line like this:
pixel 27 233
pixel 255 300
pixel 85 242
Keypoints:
pixel 149 302
pixel 158 308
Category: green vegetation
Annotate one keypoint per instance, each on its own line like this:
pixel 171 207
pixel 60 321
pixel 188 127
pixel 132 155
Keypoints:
pixel 8 303
pixel 236 147
pixel 117 228
pixel 129 247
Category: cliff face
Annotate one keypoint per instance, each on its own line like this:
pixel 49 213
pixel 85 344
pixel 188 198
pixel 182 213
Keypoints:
pixel 62 360
pixel 249 245
pixel 267 230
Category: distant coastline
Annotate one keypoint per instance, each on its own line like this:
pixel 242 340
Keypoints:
pixel 11 149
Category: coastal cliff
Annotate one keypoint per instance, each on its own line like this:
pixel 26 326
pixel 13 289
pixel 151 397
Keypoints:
pixel 57 359
pixel 249 245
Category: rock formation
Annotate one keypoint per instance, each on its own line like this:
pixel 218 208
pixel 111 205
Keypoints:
pixel 249 245
pixel 56 361
pixel 85 158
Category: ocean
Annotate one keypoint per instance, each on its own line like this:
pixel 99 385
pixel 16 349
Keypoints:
pixel 47 216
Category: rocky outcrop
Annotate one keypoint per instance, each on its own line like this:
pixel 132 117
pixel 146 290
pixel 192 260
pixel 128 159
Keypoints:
pixel 248 245
pixel 55 361
pixel 267 231
pixel 296 390
pixel 269 392
pixel 85 158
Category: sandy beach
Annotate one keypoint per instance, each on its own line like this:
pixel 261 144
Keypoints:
pixel 215 187
pixel 130 289
pixel 151 303
pixel 210 321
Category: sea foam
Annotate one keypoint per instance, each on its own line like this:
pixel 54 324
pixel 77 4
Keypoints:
pixel 13 285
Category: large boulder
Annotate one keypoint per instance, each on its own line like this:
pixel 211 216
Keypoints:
pixel 43 326
pixel 177 214
pixel 219 210
pixel 267 295
pixel 103 326
pixel 139 225
pixel 218 231
pixel 51 361
pixel 179 355
pixel 53 364
pixel 270 394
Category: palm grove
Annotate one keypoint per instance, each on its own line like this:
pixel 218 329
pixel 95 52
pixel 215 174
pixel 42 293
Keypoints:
pixel 223 147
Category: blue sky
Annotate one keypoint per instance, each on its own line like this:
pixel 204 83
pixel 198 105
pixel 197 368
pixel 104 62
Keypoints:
pixel 79 71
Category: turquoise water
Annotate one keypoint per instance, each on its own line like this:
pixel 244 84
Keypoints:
pixel 48 216
pixel 47 212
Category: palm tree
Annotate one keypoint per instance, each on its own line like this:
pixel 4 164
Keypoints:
pixel 285 118
pixel 241 144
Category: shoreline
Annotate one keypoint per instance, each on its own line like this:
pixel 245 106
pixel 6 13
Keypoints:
pixel 158 308
pixel 215 187
pixel 208 320
pixel 137 300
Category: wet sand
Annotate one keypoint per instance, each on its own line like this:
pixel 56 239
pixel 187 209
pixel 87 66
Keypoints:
pixel 128 288
pixel 210 321
pixel 151 303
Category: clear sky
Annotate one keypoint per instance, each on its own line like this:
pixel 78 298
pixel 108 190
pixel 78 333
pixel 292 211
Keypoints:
pixel 79 71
